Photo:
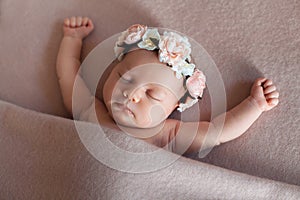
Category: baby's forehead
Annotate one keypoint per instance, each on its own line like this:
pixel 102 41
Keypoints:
pixel 155 74
pixel 140 56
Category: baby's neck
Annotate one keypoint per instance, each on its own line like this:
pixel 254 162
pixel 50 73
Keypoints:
pixel 143 133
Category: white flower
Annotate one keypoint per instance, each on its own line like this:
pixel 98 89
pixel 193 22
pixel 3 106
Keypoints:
pixel 132 35
pixel 196 84
pixel 146 42
pixel 174 48
pixel 135 33
pixel 183 68
pixel 122 38
pixel 183 106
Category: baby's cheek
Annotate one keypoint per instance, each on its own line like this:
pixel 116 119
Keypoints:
pixel 157 114
pixel 151 118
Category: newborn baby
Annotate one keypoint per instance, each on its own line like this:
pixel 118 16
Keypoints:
pixel 152 76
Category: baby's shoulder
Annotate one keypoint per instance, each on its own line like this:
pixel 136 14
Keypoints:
pixel 167 133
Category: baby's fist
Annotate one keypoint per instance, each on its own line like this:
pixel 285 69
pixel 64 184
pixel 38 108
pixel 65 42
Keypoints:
pixel 78 27
pixel 264 93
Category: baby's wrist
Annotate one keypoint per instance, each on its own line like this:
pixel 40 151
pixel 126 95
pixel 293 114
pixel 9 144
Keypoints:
pixel 74 38
pixel 254 103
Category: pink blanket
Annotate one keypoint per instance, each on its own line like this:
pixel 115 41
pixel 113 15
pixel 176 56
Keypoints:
pixel 41 156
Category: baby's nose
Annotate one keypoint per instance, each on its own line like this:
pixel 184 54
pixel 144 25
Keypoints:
pixel 137 95
pixel 135 99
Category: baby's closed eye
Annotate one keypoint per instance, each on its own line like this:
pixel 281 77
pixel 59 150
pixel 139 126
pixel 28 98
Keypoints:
pixel 126 78
pixel 156 94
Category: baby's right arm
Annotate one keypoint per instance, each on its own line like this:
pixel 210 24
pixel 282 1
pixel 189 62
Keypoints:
pixel 68 62
pixel 67 66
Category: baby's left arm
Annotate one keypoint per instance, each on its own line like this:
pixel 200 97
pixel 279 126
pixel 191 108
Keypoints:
pixel 231 124
pixel 263 97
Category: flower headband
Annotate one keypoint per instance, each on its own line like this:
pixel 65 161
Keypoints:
pixel 174 50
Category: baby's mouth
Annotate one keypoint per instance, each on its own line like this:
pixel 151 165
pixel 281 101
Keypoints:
pixel 122 107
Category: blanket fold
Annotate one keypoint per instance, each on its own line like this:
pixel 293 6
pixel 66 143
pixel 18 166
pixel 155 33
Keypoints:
pixel 42 157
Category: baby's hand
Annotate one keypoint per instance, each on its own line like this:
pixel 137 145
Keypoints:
pixel 265 94
pixel 78 27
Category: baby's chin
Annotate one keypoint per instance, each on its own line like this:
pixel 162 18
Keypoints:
pixel 123 117
pixel 124 120
pixel 131 124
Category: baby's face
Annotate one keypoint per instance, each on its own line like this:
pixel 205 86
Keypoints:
pixel 141 92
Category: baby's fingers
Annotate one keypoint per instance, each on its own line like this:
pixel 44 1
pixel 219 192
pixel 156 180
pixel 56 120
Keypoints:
pixel 78 21
pixel 259 81
pixel 273 102
pixel 90 24
pixel 67 22
pixel 73 22
pixel 272 95
pixel 272 99
pixel 85 21
pixel 269 89
pixel 267 83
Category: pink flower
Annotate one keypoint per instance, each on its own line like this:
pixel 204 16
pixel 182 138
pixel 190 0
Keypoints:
pixel 174 48
pixel 196 83
pixel 134 33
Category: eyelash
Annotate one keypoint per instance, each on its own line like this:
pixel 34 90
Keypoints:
pixel 153 97
pixel 156 99
pixel 124 78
